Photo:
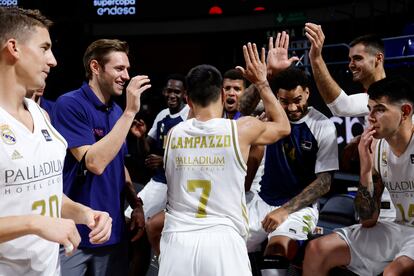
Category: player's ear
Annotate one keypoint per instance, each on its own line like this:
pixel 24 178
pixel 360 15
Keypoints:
pixel 406 110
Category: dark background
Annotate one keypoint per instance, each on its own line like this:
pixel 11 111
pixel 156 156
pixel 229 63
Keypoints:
pixel 173 36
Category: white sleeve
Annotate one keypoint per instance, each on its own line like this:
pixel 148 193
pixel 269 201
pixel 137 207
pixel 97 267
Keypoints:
pixel 327 156
pixel 153 131
pixel 349 105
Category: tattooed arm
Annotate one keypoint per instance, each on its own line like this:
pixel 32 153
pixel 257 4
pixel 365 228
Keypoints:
pixel 308 196
pixel 368 198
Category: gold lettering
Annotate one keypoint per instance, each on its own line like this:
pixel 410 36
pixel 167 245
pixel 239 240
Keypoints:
pixel 227 141
pixel 173 146
pixel 188 142
pixel 203 142
pixel 219 144
pixel 211 140
pixel 180 143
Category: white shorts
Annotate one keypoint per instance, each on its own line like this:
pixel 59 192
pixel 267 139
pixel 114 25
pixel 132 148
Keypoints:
pixel 372 249
pixel 213 251
pixel 297 226
pixel 154 197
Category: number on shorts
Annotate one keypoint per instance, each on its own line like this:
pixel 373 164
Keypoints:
pixel 410 211
pixel 205 185
pixel 53 206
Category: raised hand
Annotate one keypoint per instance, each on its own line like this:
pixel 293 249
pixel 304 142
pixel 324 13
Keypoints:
pixel 255 71
pixel 136 87
pixel 366 148
pixel 277 56
pixel 316 37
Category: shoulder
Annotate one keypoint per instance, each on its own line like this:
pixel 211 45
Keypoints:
pixel 318 120
pixel 71 98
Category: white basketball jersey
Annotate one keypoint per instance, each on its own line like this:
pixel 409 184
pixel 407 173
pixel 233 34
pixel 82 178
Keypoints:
pixel 31 166
pixel 205 176
pixel 397 174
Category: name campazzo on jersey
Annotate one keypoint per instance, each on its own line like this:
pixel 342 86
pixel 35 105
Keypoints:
pixel 209 141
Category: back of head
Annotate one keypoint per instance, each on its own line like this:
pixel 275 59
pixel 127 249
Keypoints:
pixel 396 89
pixel 18 23
pixel 99 50
pixel 373 43
pixel 234 74
pixel 204 84
pixel 290 78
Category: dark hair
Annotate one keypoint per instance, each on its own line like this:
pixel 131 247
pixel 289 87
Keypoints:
pixel 178 77
pixel 396 89
pixel 18 23
pixel 204 84
pixel 289 79
pixel 234 74
pixel 99 50
pixel 373 43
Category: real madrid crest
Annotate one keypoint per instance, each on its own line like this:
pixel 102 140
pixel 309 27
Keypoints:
pixel 7 135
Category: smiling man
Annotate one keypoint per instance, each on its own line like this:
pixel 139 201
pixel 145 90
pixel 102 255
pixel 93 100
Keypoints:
pixel 94 172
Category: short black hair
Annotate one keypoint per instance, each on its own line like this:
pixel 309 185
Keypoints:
pixel 204 83
pixel 372 42
pixel 234 74
pixel 290 79
pixel 176 76
pixel 396 89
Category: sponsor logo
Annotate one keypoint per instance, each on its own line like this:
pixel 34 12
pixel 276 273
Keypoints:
pixel 412 158
pixel 46 135
pixel 7 135
pixel 306 145
pixel 16 155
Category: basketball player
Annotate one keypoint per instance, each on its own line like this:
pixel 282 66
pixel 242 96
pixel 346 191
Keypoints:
pixel 378 245
pixel 205 162
pixel 35 216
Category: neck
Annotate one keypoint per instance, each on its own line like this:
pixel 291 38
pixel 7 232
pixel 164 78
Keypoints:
pixel 12 92
pixel 401 139
pixel 102 96
pixel 176 110
pixel 212 111
pixel 378 75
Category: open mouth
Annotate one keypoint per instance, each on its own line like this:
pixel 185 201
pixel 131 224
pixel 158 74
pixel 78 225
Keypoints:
pixel 230 101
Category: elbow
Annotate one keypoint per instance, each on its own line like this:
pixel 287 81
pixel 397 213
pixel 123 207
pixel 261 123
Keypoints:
pixel 286 129
pixel 94 167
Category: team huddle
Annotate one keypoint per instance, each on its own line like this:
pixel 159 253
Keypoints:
pixel 224 181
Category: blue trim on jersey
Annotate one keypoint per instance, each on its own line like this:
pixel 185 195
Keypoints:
pixel 289 165
pixel 163 126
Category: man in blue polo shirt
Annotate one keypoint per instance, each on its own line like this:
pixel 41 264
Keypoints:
pixel 94 172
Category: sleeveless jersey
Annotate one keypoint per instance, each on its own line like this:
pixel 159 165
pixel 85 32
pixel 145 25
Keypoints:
pixel 397 174
pixel 159 130
pixel 205 177
pixel 31 166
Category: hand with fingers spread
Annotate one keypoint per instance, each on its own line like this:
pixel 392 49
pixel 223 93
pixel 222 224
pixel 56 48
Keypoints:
pixel 366 150
pixel 136 87
pixel 277 56
pixel 256 71
pixel 274 219
pixel 137 222
pixel 101 225
pixel 316 37
pixel 62 231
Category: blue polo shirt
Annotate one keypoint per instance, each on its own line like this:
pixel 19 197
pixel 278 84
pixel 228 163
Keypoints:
pixel 83 120
pixel 47 105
